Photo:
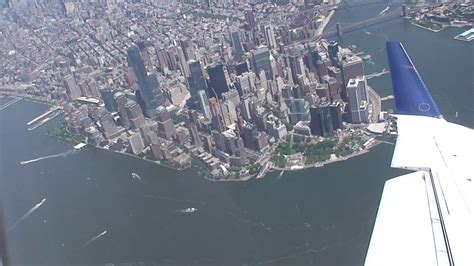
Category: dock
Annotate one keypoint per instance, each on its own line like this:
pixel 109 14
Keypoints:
pixel 45 117
pixel 264 170
pixel 466 36
pixel 14 100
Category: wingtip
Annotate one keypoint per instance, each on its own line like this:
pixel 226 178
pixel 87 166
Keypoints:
pixel 411 95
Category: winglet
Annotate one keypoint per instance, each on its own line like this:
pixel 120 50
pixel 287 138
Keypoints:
pixel 411 95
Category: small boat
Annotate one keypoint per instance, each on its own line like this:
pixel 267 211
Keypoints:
pixel 457 114
pixel 136 176
pixel 366 57
pixel 189 210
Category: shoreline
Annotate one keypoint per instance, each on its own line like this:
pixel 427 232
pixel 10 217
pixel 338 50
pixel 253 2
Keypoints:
pixel 327 162
pixel 426 28
pixel 118 152
pixel 325 22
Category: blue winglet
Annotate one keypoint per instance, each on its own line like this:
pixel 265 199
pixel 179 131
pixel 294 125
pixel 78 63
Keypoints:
pixel 411 95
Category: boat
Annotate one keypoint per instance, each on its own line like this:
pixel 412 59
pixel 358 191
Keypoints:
pixel 136 176
pixel 189 210
pixel 366 57
pixel 79 146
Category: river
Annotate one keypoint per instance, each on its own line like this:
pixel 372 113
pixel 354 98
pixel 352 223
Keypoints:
pixel 321 216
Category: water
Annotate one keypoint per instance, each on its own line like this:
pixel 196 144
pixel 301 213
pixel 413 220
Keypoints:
pixel 322 216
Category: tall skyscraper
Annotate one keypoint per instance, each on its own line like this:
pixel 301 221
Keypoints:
pixel 352 67
pixel 196 79
pixel 73 91
pixel 270 37
pixel 321 123
pixel 136 62
pixel 241 68
pixel 166 128
pixel 358 100
pixel 294 60
pixel 121 101
pixel 107 96
pixel 261 58
pixel 333 50
pixel 237 45
pixel 204 104
pixel 336 115
pixel 218 81
pixel 135 115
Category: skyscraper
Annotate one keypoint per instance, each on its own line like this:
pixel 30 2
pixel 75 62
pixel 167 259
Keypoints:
pixel 108 97
pixel 121 101
pixel 73 91
pixel 218 81
pixel 333 50
pixel 358 100
pixel 135 115
pixel 204 104
pixel 136 62
pixel 261 58
pixel 237 45
pixel 166 128
pixel 321 122
pixel 336 115
pixel 352 67
pixel 270 37
pixel 196 79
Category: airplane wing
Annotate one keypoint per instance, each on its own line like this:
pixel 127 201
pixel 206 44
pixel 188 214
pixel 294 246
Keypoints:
pixel 425 217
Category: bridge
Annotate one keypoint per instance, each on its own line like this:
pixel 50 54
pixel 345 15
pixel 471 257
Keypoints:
pixel 348 27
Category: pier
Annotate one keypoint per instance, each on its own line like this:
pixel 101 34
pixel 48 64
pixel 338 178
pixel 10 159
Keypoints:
pixel 377 74
pixel 14 100
pixel 45 117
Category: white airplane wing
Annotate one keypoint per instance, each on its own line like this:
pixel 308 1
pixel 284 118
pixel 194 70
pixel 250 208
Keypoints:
pixel 425 217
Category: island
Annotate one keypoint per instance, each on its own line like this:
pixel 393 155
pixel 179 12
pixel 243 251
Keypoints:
pixel 439 16
pixel 231 90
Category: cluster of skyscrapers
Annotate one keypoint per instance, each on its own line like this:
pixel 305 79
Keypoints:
pixel 238 92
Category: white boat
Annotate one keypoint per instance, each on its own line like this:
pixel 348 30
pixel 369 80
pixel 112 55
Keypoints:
pixel 189 210
pixel 136 176
pixel 79 146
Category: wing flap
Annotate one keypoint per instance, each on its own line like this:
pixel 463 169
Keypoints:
pixel 403 232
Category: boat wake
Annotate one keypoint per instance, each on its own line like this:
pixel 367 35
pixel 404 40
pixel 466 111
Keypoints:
pixel 28 213
pixel 63 154
pixel 384 11
pixel 95 238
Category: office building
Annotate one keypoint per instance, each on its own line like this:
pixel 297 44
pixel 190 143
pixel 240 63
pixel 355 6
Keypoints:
pixel 135 115
pixel 196 80
pixel 136 62
pixel 358 100
pixel 166 127
pixel 204 104
pixel 121 100
pixel 237 45
pixel 261 59
pixel 321 123
pixel 107 96
pixel 333 50
pixel 136 143
pixel 270 37
pixel 72 89
pixel 336 115
pixel 217 80
pixel 241 68
pixel 352 67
